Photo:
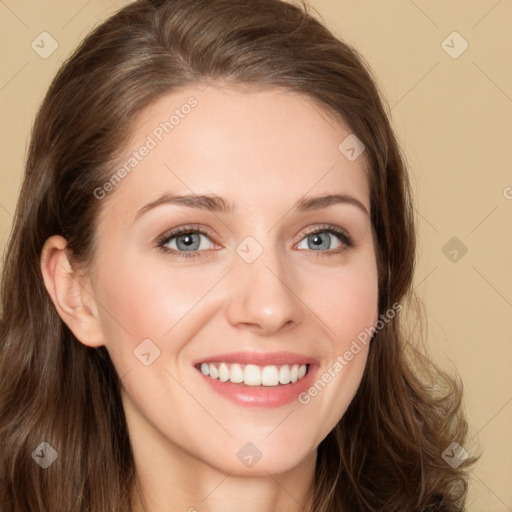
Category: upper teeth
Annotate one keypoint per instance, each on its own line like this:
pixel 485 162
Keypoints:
pixel 253 375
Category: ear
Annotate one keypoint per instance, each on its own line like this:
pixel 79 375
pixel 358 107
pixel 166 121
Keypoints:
pixel 70 293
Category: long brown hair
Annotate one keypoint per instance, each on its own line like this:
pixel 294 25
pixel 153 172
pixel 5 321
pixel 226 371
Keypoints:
pixel 385 454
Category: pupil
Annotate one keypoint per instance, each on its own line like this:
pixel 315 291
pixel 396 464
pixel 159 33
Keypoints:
pixel 319 240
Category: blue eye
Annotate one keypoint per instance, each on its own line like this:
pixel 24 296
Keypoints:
pixel 187 242
pixel 323 239
pixel 190 241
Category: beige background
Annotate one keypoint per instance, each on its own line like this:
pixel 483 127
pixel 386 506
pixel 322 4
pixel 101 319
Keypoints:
pixel 454 118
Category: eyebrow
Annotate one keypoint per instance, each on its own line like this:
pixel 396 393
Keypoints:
pixel 218 204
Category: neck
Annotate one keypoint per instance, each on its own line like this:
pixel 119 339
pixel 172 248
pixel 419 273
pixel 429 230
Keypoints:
pixel 170 479
pixel 211 491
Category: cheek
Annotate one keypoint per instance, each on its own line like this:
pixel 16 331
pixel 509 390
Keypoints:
pixel 347 302
pixel 356 307
pixel 140 302
pixel 349 308
pixel 148 301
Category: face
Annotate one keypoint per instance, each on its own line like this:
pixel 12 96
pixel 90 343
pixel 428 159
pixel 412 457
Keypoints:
pixel 233 319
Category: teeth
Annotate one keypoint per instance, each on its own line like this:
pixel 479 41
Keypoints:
pixel 214 373
pixel 270 376
pixel 236 374
pixel 223 373
pixel 253 375
pixel 284 374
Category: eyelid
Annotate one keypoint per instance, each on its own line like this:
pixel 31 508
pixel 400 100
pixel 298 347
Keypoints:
pixel 186 228
pixel 328 228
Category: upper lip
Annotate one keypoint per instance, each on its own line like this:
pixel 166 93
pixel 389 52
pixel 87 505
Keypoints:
pixel 258 358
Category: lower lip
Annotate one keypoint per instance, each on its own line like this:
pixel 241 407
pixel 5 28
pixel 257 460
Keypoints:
pixel 262 396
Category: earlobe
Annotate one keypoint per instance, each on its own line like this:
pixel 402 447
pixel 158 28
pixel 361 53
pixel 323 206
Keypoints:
pixel 73 302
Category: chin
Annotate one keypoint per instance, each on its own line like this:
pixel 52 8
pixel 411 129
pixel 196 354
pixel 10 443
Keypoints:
pixel 260 459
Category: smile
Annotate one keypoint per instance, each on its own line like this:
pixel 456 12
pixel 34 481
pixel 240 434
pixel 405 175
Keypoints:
pixel 253 375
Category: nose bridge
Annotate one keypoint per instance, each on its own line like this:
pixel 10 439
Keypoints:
pixel 263 293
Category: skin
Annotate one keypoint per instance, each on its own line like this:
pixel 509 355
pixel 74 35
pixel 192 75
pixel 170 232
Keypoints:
pixel 263 150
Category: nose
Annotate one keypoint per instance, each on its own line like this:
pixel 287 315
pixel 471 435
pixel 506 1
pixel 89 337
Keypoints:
pixel 265 295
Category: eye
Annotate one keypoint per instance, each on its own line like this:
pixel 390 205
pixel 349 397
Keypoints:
pixel 185 242
pixel 322 240
pixel 192 241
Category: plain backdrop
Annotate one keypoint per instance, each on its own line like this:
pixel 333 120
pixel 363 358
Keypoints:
pixel 445 68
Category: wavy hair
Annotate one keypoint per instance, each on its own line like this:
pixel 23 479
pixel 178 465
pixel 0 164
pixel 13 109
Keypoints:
pixel 385 453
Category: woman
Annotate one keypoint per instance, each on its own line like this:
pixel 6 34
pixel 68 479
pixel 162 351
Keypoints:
pixel 202 295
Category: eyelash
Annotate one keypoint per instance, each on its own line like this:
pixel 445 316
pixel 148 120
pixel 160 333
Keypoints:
pixel 345 239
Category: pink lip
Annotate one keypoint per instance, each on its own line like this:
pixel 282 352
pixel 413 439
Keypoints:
pixel 259 359
pixel 261 396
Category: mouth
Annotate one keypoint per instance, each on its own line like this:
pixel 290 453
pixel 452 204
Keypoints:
pixel 254 379
pixel 254 375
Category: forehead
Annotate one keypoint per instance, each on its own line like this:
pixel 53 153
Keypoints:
pixel 259 148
